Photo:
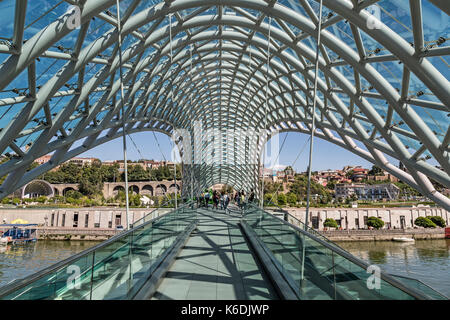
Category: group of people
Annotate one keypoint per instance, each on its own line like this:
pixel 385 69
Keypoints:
pixel 221 200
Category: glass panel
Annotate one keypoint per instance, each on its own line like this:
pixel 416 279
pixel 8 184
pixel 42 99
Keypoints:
pixel 317 269
pixel 116 270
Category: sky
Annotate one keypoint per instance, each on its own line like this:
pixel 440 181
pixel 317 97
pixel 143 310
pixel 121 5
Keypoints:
pixel 326 155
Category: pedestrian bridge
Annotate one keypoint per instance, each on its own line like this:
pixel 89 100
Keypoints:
pixel 202 254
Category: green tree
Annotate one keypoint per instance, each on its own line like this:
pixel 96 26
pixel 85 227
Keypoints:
pixel 90 181
pixel 291 199
pixel 110 173
pixel 282 199
pixel 376 171
pixel 137 173
pixel 439 221
pixel 74 194
pixel 331 185
pixel 424 222
pixel 42 199
pixel 71 172
pixel 330 223
pixel 375 222
pixel 268 198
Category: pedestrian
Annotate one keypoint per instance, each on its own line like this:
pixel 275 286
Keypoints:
pixel 222 201
pixel 242 199
pixel 251 198
pixel 226 200
pixel 207 197
pixel 215 200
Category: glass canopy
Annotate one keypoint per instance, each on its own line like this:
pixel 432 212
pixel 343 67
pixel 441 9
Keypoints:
pixel 220 67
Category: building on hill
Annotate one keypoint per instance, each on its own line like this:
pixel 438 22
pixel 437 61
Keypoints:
pixel 82 161
pixel 385 177
pixel 76 160
pixel 359 174
pixel 384 191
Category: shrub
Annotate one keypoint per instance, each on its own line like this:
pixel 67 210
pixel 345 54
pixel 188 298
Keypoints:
pixel 424 222
pixel 439 221
pixel 41 199
pixel 16 201
pixel 5 200
pixel 282 199
pixel 375 222
pixel 330 223
pixel 268 198
pixel 292 199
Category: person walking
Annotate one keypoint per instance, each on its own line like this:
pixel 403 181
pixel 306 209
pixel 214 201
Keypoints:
pixel 222 199
pixel 207 197
pixel 226 200
pixel 242 199
pixel 215 200
pixel 251 198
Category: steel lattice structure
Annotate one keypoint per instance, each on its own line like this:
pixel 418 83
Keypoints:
pixel 383 89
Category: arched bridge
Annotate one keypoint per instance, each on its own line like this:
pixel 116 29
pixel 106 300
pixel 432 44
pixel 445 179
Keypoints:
pixel 222 76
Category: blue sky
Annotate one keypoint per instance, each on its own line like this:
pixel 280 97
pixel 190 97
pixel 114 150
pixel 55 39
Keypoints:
pixel 325 154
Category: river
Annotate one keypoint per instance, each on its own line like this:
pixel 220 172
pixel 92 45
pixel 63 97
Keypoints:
pixel 19 261
pixel 425 260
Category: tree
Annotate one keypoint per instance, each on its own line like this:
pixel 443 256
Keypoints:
pixel 137 173
pixel 424 222
pixel 74 194
pixel 268 198
pixel 439 221
pixel 330 223
pixel 110 173
pixel 282 199
pixel 376 171
pixel 331 185
pixel 291 199
pixel 375 222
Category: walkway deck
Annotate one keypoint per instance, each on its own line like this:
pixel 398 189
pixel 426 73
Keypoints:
pixel 216 264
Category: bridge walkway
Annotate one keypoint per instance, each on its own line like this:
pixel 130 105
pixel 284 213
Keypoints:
pixel 216 264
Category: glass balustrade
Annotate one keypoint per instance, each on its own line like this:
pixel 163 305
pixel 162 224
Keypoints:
pixel 114 269
pixel 315 268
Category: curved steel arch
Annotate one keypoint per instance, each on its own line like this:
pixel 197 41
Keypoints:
pixel 225 88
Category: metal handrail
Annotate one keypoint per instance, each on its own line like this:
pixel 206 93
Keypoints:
pixel 20 283
pixel 339 251
pixel 421 282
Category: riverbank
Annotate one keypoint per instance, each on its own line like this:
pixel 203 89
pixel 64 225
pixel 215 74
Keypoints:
pixel 356 218
pixel 383 234
pixel 66 234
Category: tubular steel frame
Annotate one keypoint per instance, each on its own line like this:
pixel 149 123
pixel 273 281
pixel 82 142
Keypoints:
pixel 221 82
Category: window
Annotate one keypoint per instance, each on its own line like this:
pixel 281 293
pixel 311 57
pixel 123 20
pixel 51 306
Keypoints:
pixel 63 220
pixel 86 220
pixel 75 219
pixel 53 220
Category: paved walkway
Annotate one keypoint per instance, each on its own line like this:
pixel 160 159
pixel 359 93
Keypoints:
pixel 216 264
